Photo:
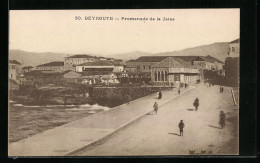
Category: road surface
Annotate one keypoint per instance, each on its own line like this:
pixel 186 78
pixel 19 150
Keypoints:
pixel 159 134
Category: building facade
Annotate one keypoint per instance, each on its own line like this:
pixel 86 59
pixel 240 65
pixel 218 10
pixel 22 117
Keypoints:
pixel 172 71
pixel 15 70
pixel 27 69
pixel 71 62
pixel 234 48
pixel 51 67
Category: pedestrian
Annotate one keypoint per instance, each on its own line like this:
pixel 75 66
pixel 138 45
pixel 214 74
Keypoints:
pixel 155 107
pixel 186 85
pixel 222 119
pixel 220 89
pixel 196 103
pixel 159 95
pixel 181 126
pixel 179 91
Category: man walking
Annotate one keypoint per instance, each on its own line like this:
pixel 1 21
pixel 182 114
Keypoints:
pixel 155 107
pixel 181 126
pixel 196 103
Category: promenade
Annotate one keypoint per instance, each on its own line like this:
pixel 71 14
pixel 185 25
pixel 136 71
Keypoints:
pixel 159 134
pixel 72 137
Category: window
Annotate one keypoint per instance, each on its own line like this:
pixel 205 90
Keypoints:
pixel 166 76
pixel 143 66
pixel 11 75
pixel 162 76
pixel 149 67
pixel 233 49
pixel 155 76
pixel 159 76
pixel 177 77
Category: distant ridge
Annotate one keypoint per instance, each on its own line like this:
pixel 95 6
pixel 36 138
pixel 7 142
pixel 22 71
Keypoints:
pixel 218 50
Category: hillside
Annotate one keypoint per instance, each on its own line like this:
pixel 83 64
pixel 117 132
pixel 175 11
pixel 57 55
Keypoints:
pixel 217 50
pixel 130 55
pixel 34 59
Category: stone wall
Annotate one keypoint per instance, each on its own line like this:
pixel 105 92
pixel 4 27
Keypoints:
pixel 122 94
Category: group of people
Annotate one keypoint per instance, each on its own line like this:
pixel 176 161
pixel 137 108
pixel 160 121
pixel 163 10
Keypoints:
pixel 221 89
pixel 181 125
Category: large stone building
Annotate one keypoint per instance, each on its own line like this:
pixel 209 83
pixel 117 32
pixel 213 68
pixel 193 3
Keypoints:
pixel 143 64
pixel 71 62
pixel 100 65
pixel 172 71
pixel 234 48
pixel 51 67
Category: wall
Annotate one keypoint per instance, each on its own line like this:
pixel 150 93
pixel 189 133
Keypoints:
pixel 121 94
pixel 51 68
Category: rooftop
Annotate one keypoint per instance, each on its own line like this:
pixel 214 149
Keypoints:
pixel 184 58
pixel 235 41
pixel 173 62
pixel 14 62
pixel 56 63
pixel 98 63
pixel 27 67
pixel 81 56
pixel 211 59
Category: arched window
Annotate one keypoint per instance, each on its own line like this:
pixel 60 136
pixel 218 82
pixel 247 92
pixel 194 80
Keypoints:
pixel 166 76
pixel 162 76
pixel 159 76
pixel 155 76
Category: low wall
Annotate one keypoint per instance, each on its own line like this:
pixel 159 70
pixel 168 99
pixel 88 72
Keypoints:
pixel 117 96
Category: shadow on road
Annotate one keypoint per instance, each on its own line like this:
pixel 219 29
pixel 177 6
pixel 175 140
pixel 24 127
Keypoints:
pixel 174 134
pixel 215 127
pixel 190 109
pixel 151 113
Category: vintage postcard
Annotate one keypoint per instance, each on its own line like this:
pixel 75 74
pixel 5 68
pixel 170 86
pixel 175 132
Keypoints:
pixel 143 82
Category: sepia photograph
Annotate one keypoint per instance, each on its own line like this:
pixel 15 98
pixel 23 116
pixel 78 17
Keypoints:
pixel 132 82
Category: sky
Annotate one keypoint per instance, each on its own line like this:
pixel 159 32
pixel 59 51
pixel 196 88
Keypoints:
pixel 58 31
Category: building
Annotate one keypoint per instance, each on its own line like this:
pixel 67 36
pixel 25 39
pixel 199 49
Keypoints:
pixel 172 71
pixel 71 62
pixel 51 67
pixel 27 69
pixel 143 64
pixel 90 78
pixel 15 70
pixel 100 65
pixel 234 48
pixel 207 63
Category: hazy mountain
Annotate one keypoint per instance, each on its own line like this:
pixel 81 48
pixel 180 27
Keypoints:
pixel 130 55
pixel 217 50
pixel 34 59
